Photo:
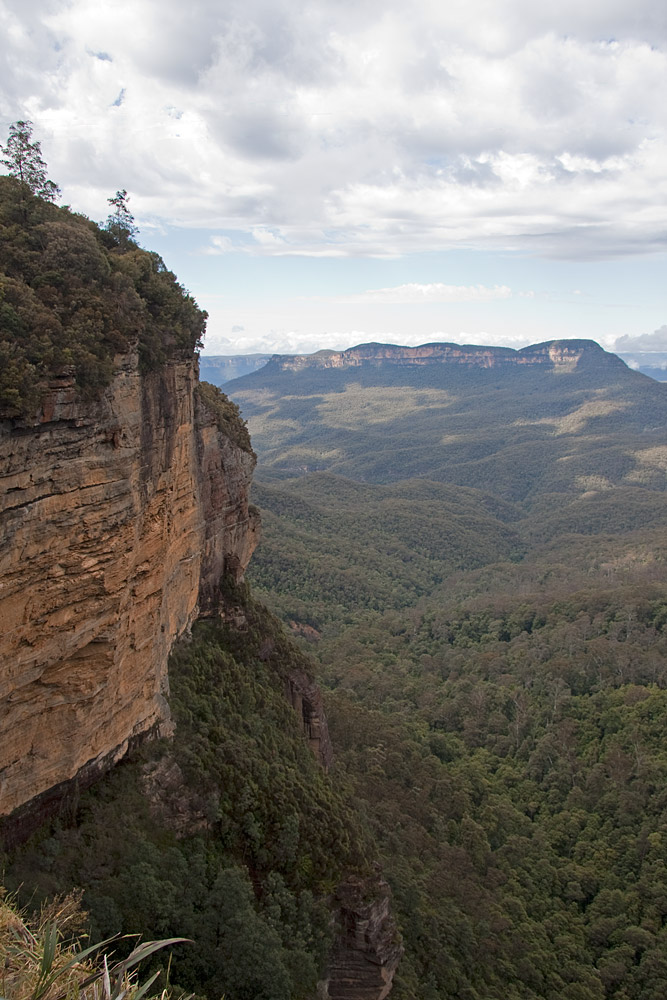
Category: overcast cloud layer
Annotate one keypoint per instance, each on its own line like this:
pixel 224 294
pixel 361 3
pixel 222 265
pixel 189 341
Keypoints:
pixel 353 127
pixel 489 171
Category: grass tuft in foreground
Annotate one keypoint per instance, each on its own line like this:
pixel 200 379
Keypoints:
pixel 41 959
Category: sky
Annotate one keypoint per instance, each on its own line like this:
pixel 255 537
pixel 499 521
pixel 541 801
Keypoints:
pixel 319 176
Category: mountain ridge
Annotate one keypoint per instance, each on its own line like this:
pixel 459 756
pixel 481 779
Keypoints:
pixel 559 417
pixel 566 354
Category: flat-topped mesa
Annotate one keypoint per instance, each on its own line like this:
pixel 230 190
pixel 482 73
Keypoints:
pixel 119 517
pixel 556 354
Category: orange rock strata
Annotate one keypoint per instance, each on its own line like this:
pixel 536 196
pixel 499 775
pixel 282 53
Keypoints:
pixel 562 355
pixel 117 520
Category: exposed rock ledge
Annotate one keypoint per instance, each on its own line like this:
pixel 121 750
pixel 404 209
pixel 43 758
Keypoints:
pixel 117 520
pixel 368 948
pixel 560 355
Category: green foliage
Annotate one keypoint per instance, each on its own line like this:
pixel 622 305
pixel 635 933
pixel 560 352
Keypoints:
pixel 69 303
pixel 40 961
pixel 170 324
pixel 330 544
pixel 24 161
pixel 266 836
pixel 509 758
pixel 120 223
pixel 227 415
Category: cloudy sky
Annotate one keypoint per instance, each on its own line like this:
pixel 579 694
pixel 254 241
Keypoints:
pixel 481 171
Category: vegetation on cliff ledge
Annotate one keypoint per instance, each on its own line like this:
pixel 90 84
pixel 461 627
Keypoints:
pixel 227 415
pixel 72 297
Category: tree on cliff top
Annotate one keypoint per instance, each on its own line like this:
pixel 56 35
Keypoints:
pixel 120 223
pixel 24 161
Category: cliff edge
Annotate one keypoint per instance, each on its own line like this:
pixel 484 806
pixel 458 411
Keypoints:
pixel 119 517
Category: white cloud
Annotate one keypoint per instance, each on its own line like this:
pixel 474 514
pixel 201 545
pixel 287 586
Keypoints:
pixel 218 245
pixel 294 341
pixel 435 292
pixel 656 341
pixel 283 341
pixel 355 130
pixel 267 237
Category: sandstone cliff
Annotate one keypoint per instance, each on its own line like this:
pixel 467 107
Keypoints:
pixel 118 518
pixel 561 355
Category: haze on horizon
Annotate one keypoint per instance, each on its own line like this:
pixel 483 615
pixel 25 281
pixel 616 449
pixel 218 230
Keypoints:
pixel 488 172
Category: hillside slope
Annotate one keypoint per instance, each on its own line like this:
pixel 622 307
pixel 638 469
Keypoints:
pixel 231 834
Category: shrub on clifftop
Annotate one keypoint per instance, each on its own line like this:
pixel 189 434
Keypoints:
pixel 227 415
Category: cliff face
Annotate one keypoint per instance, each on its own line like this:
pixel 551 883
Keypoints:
pixel 306 699
pixel 118 519
pixel 368 948
pixel 563 355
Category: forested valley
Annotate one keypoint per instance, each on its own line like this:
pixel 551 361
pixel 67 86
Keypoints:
pixel 476 560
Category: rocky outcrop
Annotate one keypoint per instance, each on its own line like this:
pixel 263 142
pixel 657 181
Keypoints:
pixel 174 804
pixel 305 698
pixel 368 947
pixel 118 519
pixel 230 526
pixel 561 355
pixel 302 693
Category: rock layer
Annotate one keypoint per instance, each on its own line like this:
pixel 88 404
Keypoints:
pixel 368 948
pixel 305 698
pixel 118 519
pixel 563 355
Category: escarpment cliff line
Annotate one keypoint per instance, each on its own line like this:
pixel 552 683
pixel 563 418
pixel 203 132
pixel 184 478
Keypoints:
pixel 118 518
pixel 561 355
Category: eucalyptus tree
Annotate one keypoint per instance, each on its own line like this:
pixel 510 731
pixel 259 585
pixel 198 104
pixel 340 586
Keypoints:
pixel 23 159
pixel 120 222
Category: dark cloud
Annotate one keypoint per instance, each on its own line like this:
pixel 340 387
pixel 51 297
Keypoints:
pixel 265 134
